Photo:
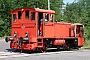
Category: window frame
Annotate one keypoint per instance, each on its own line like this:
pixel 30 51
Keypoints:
pixel 49 18
pixel 27 14
pixel 14 18
pixel 32 17
pixel 19 15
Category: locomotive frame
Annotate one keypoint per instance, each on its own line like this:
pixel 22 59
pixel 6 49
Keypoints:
pixel 35 29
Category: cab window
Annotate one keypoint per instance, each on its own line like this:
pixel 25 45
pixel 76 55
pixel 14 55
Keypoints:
pixel 32 15
pixel 19 15
pixel 14 17
pixel 51 18
pixel 81 28
pixel 46 17
pixel 77 30
pixel 27 14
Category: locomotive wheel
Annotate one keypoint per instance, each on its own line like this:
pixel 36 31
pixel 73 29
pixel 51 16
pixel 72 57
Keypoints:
pixel 44 49
pixel 67 47
pixel 58 48
pixel 41 50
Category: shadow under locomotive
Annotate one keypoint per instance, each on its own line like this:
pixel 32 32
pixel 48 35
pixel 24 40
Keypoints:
pixel 36 51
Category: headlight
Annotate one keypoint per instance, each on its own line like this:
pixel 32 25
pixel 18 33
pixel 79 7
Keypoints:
pixel 15 34
pixel 26 34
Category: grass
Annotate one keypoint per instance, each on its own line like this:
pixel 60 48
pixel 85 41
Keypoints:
pixel 87 44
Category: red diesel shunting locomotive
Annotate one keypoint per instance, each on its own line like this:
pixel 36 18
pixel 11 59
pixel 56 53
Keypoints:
pixel 35 29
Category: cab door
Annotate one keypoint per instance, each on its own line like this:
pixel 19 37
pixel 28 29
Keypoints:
pixel 40 24
pixel 48 28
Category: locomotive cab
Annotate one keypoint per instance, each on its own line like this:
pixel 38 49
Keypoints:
pixel 77 30
pixel 22 22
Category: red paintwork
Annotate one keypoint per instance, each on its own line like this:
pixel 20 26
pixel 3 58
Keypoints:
pixel 59 32
pixel 80 41
pixel 59 42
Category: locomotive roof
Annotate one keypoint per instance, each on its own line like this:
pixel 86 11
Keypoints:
pixel 34 9
pixel 77 24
